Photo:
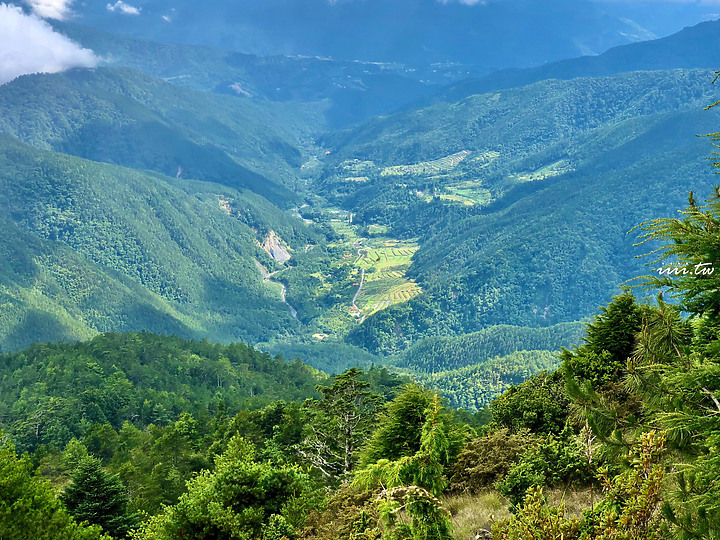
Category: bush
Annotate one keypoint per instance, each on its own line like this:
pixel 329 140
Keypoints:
pixel 540 405
pixel 537 520
pixel 486 460
pixel 350 513
pixel 556 461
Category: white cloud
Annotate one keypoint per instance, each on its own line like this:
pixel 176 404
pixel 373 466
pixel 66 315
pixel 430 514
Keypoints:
pixel 50 9
pixel 124 8
pixel 30 45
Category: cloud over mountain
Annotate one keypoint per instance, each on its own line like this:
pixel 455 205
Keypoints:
pixel 30 45
pixel 50 9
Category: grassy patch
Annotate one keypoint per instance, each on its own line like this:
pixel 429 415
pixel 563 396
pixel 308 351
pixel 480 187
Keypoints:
pixel 470 513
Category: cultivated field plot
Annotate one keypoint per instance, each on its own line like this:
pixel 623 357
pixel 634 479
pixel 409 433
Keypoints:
pixel 554 169
pixel 385 282
pixel 427 168
pixel 469 193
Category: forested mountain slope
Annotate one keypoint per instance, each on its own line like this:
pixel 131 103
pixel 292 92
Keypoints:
pixel 522 198
pixel 120 116
pixel 51 393
pixel 95 247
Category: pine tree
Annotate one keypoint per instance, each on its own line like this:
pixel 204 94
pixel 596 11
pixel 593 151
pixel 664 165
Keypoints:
pixel 340 423
pixel 412 484
pixel 98 498
pixel 28 507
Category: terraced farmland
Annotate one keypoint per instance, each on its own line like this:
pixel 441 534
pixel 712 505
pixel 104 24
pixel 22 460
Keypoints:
pixel 427 168
pixel 554 169
pixel 385 282
pixel 469 193
pixel 363 275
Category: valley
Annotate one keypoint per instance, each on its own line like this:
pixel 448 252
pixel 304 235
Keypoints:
pixel 331 270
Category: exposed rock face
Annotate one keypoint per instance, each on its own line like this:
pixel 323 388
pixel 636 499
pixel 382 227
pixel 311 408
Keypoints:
pixel 274 246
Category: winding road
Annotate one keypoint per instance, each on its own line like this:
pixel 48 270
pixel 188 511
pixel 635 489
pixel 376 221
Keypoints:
pixel 362 279
pixel 266 278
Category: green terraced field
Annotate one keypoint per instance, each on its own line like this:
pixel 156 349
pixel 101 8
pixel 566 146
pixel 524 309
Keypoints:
pixel 469 193
pixel 385 282
pixel 427 168
pixel 382 260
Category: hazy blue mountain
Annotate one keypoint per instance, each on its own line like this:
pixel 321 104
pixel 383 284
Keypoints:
pixel 491 34
pixel 692 47
pixel 341 91
pixel 661 17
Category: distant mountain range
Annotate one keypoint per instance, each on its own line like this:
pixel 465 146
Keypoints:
pixel 494 34
pixel 342 91
pixel 693 47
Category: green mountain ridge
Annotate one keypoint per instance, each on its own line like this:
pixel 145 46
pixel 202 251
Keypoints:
pixel 52 393
pixel 549 160
pixel 120 116
pixel 475 386
pixel 111 248
pixel 446 353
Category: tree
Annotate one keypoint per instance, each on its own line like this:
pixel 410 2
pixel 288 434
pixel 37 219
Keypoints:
pixel 399 431
pixel 596 370
pixel 340 423
pixel 675 368
pixel 685 265
pixel 98 498
pixel 538 405
pixel 28 507
pixel 609 342
pixel 236 501
pixel 412 484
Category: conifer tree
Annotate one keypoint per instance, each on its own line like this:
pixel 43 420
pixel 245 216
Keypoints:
pixel 410 486
pixel 99 498
pixel 340 423
pixel 28 507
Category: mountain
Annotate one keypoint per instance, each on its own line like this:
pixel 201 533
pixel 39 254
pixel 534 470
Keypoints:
pixel 120 116
pixel 91 247
pixel 337 92
pixel 661 18
pixel 511 33
pixel 522 198
pixel 484 210
pixel 51 393
pixel 692 47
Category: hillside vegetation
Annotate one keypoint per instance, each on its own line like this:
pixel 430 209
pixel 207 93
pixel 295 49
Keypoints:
pixel 552 158
pixel 122 117
pixel 111 248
